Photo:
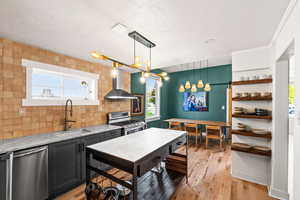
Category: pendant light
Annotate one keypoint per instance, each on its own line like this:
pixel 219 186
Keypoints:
pixel 187 85
pixel 114 71
pixel 207 87
pixel 142 78
pixel 200 82
pixel 194 88
pixel 181 88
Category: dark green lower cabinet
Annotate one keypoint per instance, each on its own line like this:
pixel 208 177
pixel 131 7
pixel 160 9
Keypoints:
pixel 65 166
pixel 3 172
pixel 67 162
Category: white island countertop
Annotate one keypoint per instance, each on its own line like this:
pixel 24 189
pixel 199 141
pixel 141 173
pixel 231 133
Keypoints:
pixel 135 146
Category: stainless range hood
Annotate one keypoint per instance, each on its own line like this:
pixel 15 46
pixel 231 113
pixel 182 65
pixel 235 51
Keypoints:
pixel 117 93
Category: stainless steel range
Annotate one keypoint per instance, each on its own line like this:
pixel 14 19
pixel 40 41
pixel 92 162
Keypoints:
pixel 124 120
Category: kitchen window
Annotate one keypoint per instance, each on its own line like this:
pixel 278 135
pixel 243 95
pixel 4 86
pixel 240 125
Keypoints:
pixel 50 85
pixel 152 99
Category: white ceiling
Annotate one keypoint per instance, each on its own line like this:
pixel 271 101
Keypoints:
pixel 179 28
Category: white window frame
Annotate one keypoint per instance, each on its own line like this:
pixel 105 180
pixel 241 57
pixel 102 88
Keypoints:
pixel 31 65
pixel 157 98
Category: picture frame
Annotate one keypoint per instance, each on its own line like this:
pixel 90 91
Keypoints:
pixel 138 105
pixel 195 101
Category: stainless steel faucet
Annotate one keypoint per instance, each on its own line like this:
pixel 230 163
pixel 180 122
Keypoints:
pixel 67 122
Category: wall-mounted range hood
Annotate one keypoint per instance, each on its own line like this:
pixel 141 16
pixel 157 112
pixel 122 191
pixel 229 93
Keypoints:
pixel 117 93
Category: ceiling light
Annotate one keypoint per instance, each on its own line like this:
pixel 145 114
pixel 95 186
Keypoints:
pixel 181 88
pixel 187 85
pixel 194 88
pixel 119 28
pixel 207 87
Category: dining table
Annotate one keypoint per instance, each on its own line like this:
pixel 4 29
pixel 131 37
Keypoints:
pixel 200 122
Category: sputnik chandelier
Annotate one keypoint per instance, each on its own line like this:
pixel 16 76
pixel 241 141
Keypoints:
pixel 137 64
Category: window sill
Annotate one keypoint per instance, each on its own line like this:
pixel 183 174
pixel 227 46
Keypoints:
pixel 38 102
pixel 151 119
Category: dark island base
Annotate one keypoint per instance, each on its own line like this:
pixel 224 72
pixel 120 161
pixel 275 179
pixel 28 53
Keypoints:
pixel 153 186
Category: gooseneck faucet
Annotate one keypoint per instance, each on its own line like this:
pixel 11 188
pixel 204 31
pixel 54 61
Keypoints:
pixel 67 126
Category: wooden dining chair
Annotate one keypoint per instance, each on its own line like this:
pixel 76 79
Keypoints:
pixel 216 133
pixel 192 130
pixel 175 126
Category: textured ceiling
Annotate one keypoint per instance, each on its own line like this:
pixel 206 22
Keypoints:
pixel 179 28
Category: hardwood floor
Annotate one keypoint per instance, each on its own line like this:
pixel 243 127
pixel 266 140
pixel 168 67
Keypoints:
pixel 209 179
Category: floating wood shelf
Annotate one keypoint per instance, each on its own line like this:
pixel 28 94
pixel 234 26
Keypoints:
pixel 252 98
pixel 251 134
pixel 251 151
pixel 252 116
pixel 260 81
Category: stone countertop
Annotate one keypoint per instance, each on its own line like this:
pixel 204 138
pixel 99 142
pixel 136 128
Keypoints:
pixel 15 144
pixel 134 147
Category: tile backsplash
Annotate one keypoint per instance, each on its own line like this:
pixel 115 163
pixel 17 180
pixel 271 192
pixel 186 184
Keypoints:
pixel 17 121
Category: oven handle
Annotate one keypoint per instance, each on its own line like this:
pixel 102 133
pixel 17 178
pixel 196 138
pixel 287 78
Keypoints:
pixel 127 130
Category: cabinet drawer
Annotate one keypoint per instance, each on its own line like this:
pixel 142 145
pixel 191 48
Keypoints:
pixel 178 143
pixel 152 160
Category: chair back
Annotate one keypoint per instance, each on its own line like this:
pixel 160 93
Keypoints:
pixel 175 125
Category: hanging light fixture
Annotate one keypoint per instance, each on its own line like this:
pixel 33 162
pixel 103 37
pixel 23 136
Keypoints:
pixel 200 82
pixel 142 78
pixel 181 88
pixel 187 85
pixel 194 88
pixel 207 87
pixel 114 71
pixel 137 63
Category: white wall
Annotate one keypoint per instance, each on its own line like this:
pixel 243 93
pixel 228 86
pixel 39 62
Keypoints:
pixel 254 168
pixel 289 31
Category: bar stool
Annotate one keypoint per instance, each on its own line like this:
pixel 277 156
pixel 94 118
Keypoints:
pixel 214 132
pixel 175 126
pixel 192 130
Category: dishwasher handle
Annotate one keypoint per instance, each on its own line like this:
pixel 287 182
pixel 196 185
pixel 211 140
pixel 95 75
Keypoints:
pixel 29 152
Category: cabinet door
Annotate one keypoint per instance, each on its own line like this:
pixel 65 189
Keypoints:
pixel 3 177
pixel 89 141
pixel 65 166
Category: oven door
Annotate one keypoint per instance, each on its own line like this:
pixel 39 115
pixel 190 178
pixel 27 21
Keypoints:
pixel 133 130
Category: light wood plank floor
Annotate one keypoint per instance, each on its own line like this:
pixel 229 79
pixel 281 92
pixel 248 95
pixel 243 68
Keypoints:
pixel 209 179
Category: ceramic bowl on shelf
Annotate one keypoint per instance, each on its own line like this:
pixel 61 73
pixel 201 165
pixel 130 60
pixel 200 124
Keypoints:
pixel 255 94
pixel 267 94
pixel 246 94
pixel 238 94
pixel 255 77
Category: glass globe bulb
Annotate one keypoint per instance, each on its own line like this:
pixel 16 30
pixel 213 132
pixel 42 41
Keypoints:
pixel 114 72
pixel 160 83
pixel 146 74
pixel 142 79
pixel 166 78
pixel 187 85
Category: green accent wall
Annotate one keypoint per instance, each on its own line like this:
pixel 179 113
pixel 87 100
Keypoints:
pixel 172 99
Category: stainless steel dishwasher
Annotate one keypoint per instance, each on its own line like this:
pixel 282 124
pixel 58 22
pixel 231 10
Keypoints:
pixel 30 174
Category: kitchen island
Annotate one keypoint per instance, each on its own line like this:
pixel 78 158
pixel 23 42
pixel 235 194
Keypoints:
pixel 136 154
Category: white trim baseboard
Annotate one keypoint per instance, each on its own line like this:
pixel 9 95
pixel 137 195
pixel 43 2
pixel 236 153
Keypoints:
pixel 279 194
pixel 249 178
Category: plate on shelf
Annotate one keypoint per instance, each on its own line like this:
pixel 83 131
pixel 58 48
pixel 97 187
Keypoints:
pixel 260 131
pixel 262 148
pixel 241 145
